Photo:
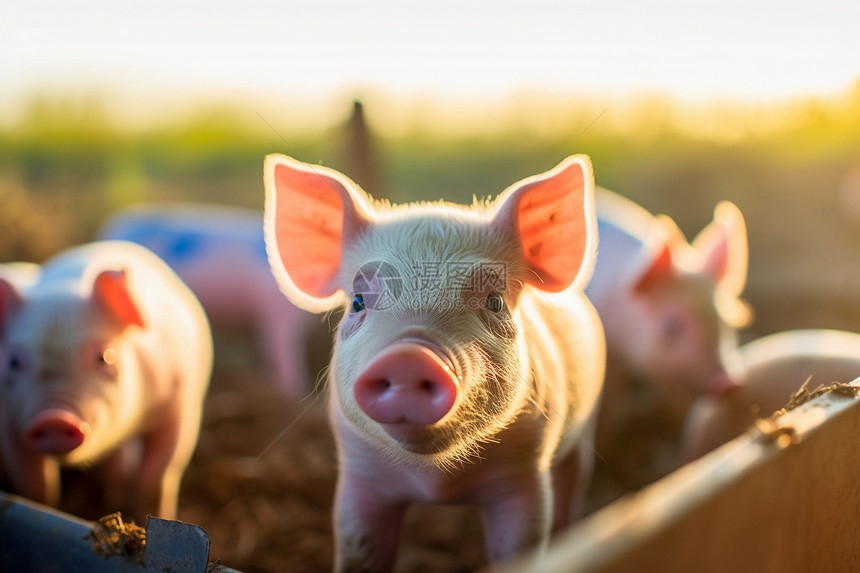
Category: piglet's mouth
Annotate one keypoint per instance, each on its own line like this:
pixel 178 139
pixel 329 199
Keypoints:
pixel 407 433
pixel 419 439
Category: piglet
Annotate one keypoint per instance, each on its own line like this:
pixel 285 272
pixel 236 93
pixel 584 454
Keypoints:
pixel 468 363
pixel 772 368
pixel 106 360
pixel 218 251
pixel 670 310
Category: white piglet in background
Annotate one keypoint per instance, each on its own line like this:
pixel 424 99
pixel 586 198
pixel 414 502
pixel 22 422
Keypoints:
pixel 218 251
pixel 770 370
pixel 468 365
pixel 670 310
pixel 106 361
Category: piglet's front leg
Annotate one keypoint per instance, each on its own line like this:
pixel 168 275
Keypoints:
pixel 30 474
pixel 367 527
pixel 164 459
pixel 518 515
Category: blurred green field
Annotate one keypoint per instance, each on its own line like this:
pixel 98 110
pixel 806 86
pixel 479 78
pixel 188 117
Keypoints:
pixel 64 165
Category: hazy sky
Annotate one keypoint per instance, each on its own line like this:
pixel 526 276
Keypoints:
pixel 459 48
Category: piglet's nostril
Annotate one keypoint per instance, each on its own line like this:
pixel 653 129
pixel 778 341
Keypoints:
pixel 378 386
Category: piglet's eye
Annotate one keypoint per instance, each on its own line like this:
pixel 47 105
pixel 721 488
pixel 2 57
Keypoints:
pixel 106 362
pixel 495 302
pixel 673 327
pixel 357 303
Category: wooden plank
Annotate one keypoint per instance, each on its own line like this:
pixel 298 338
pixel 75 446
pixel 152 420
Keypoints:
pixel 759 503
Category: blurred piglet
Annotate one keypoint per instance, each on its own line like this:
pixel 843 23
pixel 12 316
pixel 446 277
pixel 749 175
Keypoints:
pixel 670 310
pixel 220 254
pixel 772 368
pixel 468 364
pixel 106 360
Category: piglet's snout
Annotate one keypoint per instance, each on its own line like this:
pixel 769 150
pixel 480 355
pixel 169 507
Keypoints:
pixel 407 383
pixel 55 431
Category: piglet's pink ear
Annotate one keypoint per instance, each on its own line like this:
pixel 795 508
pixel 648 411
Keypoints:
pixel 311 213
pixel 664 246
pixel 722 253
pixel 111 290
pixel 656 271
pixel 552 216
pixel 722 248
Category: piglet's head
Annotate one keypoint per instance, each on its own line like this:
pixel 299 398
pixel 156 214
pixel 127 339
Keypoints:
pixel 68 355
pixel 418 359
pixel 688 294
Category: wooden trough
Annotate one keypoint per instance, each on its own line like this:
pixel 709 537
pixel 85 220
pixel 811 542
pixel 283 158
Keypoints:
pixel 783 497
